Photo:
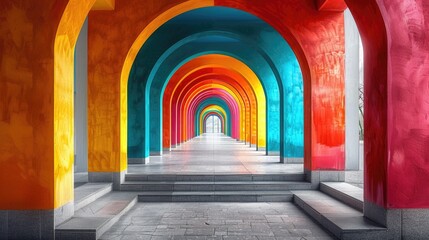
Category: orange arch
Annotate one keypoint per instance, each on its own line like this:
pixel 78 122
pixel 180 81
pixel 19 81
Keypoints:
pixel 202 79
pixel 232 65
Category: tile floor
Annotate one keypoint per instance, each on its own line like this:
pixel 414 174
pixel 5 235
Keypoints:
pixel 214 154
pixel 257 221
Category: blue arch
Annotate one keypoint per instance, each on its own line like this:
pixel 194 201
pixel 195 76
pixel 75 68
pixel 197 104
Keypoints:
pixel 277 59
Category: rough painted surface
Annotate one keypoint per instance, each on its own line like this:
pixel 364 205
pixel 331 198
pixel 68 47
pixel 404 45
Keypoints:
pixel 36 119
pixel 108 75
pixel 396 106
pixel 408 99
pixel 317 39
pixel 331 5
pixel 26 115
pixel 408 111
pixel 375 46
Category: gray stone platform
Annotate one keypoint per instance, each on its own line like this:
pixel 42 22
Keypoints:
pixel 257 221
pixel 91 221
pixel 340 219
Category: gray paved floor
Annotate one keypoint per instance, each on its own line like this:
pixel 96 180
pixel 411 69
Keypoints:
pixel 215 154
pixel 216 221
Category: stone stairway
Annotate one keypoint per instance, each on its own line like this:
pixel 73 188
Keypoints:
pixel 97 208
pixel 214 187
pixel 338 207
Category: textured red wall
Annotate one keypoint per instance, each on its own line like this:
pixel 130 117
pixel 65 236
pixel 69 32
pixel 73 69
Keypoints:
pixel 317 38
pixel 396 42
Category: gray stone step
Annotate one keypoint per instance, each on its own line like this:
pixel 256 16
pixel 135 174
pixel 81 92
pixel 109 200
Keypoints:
pixel 93 220
pixel 89 192
pixel 215 186
pixel 215 177
pixel 341 220
pixel 218 196
pixel 346 193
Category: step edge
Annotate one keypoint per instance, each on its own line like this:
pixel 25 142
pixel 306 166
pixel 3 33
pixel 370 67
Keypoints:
pixel 109 223
pixel 99 231
pixel 98 194
pixel 342 197
pixel 323 220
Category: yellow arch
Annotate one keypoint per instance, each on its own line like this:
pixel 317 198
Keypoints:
pixel 235 65
pixel 132 53
pixel 234 94
pixel 64 46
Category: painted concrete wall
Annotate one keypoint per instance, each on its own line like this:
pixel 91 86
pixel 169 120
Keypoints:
pixel 352 78
pixel 81 101
pixel 280 58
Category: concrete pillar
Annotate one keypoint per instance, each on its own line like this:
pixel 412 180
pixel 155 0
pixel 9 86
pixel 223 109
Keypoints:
pixel 81 101
pixel 352 91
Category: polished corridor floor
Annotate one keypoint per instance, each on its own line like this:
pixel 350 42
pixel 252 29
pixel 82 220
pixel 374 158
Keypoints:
pixel 214 153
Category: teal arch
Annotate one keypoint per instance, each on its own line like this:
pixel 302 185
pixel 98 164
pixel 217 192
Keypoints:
pixel 221 103
pixel 286 75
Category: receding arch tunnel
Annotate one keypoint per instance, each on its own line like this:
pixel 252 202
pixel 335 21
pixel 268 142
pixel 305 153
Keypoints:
pixel 276 74
pixel 256 45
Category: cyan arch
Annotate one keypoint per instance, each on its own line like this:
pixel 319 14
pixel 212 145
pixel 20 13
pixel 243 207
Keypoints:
pixel 180 96
pixel 223 90
pixel 230 104
pixel 221 103
pixel 252 87
pixel 267 76
pixel 265 42
pixel 225 80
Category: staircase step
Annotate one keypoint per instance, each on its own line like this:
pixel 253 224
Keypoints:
pixel 93 220
pixel 340 219
pixel 346 193
pixel 215 186
pixel 218 196
pixel 89 192
pixel 214 177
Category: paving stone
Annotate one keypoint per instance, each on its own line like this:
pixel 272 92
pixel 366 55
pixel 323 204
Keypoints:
pixel 135 228
pixel 169 232
pixel 240 238
pixel 136 237
pixel 227 221
pixel 200 231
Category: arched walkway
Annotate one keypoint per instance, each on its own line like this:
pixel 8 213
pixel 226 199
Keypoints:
pixel 295 48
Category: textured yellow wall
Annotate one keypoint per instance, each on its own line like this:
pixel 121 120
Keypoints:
pixel 112 50
pixel 64 48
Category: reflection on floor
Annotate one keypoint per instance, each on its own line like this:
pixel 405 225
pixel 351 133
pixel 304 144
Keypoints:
pixel 215 154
